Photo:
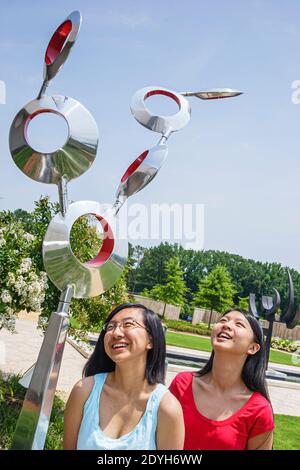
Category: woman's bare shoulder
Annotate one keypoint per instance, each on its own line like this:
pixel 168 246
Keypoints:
pixel 169 406
pixel 82 389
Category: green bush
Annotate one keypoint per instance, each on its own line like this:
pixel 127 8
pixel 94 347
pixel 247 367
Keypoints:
pixel 181 325
pixel 284 344
pixel 11 398
pixel 186 310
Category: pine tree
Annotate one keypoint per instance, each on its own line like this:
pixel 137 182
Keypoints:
pixel 215 291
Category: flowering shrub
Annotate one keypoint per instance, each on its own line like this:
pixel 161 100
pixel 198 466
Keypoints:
pixel 22 284
pixel 284 344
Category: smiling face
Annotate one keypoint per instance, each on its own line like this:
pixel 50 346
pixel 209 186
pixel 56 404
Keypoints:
pixel 233 333
pixel 127 337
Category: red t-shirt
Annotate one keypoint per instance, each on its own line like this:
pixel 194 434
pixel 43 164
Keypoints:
pixel 202 433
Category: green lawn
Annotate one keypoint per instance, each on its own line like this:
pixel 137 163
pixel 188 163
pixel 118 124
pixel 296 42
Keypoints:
pixel 287 432
pixel 203 344
pixel 188 341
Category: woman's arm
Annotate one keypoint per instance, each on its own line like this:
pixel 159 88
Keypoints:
pixel 74 411
pixel 261 442
pixel 170 424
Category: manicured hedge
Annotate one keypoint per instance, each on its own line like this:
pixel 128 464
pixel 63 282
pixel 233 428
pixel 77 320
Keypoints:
pixel 181 325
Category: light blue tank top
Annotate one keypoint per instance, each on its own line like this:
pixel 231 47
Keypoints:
pixel 142 437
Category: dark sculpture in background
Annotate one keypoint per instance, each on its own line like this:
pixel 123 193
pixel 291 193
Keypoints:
pixel 290 316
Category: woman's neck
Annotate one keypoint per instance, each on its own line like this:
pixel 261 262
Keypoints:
pixel 226 373
pixel 130 379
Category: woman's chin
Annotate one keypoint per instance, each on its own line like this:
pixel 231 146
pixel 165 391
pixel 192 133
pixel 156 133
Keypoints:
pixel 222 344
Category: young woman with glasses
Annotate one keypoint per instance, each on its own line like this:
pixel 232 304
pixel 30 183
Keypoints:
pixel 122 402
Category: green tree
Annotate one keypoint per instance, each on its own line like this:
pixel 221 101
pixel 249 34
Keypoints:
pixel 215 292
pixel 151 269
pixel 174 290
pixel 243 303
pixel 248 276
pixel 135 256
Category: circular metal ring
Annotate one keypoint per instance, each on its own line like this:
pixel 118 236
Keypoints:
pixel 158 123
pixel 95 276
pixel 73 158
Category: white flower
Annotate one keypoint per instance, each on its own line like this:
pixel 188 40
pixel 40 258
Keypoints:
pixel 9 311
pixel 35 304
pixel 6 297
pixel 8 322
pixel 44 279
pixel 26 264
pixel 2 241
pixel 32 276
pixel 28 237
pixel 34 288
pixel 11 279
pixel 20 285
pixel 44 276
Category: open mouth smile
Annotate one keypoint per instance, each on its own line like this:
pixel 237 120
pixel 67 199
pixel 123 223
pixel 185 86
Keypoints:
pixel 224 335
pixel 118 346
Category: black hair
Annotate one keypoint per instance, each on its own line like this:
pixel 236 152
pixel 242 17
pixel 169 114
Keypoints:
pixel 254 370
pixel 155 371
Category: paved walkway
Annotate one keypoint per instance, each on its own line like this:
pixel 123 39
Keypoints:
pixel 19 351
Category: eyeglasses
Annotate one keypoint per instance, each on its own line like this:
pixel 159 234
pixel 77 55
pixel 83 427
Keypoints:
pixel 125 325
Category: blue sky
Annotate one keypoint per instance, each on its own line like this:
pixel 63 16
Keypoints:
pixel 239 157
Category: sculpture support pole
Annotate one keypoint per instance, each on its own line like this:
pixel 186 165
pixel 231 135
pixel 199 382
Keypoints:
pixel 43 89
pixel 268 341
pixel 63 195
pixel 33 422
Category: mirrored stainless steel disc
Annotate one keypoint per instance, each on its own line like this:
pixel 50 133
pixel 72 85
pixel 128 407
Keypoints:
pixel 72 159
pixel 159 123
pixel 95 276
pixel 60 44
pixel 141 171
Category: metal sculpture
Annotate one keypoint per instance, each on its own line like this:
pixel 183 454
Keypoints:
pixel 270 306
pixel 79 152
pixel 68 274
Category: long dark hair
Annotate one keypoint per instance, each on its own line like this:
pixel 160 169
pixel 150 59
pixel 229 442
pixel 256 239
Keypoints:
pixel 155 371
pixel 253 373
